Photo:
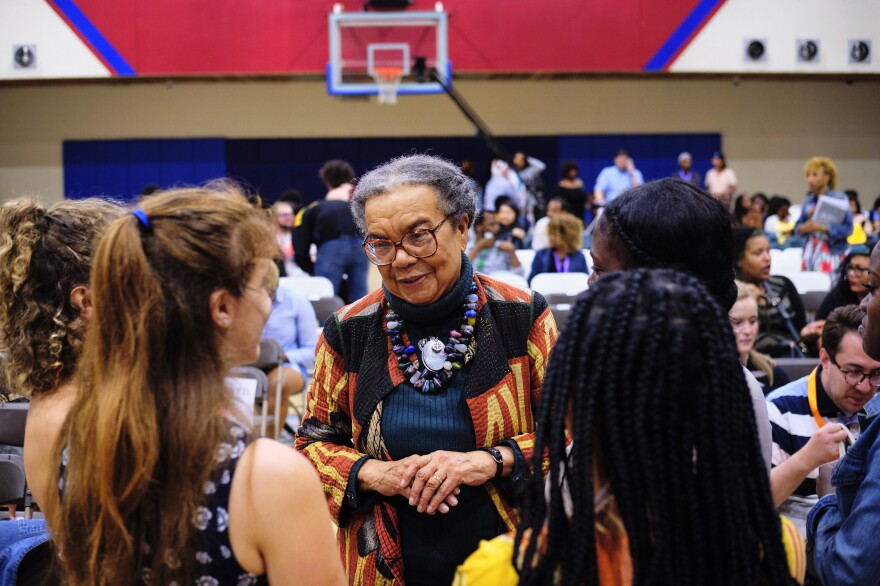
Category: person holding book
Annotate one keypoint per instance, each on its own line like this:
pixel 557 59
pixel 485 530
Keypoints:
pixel 826 220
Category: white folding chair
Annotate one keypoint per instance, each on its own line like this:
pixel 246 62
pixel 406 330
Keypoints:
pixel 775 257
pixel 526 257
pixel 567 283
pixel 788 262
pixel 810 281
pixel 510 279
pixel 311 287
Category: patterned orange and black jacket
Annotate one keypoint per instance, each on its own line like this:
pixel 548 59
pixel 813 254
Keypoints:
pixel 355 369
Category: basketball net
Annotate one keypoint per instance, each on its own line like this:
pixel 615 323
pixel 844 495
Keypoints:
pixel 388 81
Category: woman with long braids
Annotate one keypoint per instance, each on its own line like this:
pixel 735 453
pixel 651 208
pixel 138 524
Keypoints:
pixel 664 463
pixel 672 224
pixel 663 480
pixel 159 482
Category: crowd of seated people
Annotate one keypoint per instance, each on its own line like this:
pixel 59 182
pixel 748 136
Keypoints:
pixel 437 399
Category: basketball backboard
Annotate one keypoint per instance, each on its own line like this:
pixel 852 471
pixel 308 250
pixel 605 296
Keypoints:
pixel 387 53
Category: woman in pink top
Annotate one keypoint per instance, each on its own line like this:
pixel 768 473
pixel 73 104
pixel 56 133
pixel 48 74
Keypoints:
pixel 721 180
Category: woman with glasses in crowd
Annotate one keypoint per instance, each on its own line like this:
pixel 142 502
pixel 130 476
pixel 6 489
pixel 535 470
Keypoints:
pixel 420 419
pixel 852 282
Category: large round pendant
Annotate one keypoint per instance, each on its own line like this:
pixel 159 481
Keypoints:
pixel 433 354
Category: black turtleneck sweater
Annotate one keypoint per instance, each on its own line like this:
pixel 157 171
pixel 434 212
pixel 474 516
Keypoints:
pixel 420 423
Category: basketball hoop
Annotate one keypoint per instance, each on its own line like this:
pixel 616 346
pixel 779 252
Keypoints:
pixel 388 81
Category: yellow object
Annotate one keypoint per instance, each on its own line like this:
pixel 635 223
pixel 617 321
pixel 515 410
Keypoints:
pixel 858 235
pixel 491 565
pixel 795 551
pixel 784 230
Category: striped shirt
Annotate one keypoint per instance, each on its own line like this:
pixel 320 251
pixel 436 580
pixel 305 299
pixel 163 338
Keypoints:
pixel 792 426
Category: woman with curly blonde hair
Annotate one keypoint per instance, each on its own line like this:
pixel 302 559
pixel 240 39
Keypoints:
pixel 45 258
pixel 826 243
pixel 564 255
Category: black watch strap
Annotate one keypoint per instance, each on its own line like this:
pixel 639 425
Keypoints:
pixel 499 461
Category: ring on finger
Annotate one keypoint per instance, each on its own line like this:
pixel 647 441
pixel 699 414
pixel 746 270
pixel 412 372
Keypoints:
pixel 438 479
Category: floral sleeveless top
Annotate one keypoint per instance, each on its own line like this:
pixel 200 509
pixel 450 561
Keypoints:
pixel 215 563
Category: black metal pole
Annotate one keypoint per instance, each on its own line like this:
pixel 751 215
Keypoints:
pixel 469 113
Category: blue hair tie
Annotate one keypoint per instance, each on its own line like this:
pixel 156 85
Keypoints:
pixel 141 215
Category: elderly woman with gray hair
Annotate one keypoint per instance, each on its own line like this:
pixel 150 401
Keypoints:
pixel 686 171
pixel 420 419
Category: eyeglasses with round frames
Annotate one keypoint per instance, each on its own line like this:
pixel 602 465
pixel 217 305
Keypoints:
pixel 420 243
pixel 855 377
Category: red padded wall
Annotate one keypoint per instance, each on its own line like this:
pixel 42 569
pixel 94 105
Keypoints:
pixel 169 37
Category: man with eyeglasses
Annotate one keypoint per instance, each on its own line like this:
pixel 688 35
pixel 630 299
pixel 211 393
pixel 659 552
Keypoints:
pixel 810 417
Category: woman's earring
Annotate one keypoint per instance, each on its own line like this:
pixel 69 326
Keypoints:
pixel 225 322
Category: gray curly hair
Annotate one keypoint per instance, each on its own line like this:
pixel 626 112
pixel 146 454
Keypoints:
pixel 455 193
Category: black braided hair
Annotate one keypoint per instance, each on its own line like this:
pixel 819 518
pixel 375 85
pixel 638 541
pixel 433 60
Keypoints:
pixel 671 224
pixel 650 377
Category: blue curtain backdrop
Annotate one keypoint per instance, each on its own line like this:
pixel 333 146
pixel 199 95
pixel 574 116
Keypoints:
pixel 122 168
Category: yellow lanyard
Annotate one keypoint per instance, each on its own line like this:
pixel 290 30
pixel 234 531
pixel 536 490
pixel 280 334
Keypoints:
pixel 811 397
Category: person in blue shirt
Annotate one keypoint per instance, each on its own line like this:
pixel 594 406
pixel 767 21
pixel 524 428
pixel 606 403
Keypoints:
pixel 294 326
pixel 617 178
pixel 844 524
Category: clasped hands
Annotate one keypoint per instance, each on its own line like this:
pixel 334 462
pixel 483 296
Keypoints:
pixel 430 482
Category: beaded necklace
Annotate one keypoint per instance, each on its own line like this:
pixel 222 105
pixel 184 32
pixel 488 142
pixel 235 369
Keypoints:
pixel 439 360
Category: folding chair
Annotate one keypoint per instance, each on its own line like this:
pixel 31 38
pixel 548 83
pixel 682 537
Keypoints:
pixel 510 278
pixel 567 283
pixel 325 307
pixel 311 287
pixel 272 357
pixel 810 281
pixel 812 301
pixel 12 421
pixel 797 368
pixel 13 486
pixel 13 417
pixel 526 257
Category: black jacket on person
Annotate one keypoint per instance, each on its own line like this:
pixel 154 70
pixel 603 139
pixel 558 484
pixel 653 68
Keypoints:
pixel 322 221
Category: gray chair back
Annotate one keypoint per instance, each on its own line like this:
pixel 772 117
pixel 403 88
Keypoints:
pixel 12 421
pixel 13 487
pixel 797 368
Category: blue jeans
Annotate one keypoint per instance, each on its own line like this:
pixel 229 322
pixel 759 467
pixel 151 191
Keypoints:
pixel 17 538
pixel 344 256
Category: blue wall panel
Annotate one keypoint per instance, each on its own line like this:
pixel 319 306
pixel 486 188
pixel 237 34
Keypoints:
pixel 122 168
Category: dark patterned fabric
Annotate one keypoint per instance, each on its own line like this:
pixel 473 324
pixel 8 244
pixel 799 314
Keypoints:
pixel 215 563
